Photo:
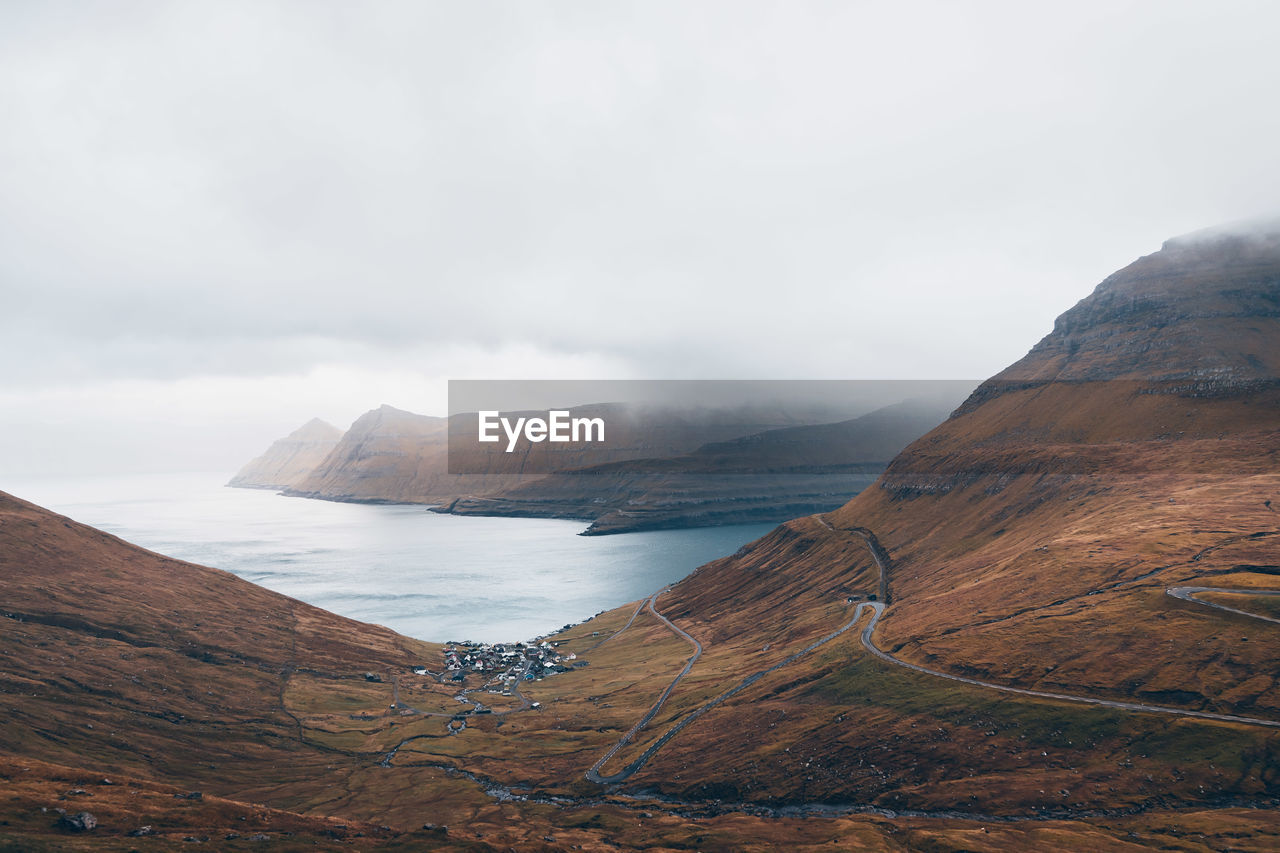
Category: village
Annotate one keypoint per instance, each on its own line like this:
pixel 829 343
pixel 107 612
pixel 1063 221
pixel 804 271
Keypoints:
pixel 506 663
pixel 502 668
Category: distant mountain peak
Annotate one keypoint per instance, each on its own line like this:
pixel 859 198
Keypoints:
pixel 291 458
pixel 317 429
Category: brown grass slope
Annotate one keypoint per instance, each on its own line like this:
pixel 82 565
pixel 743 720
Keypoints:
pixel 1135 448
pixel 128 680
pixel 119 659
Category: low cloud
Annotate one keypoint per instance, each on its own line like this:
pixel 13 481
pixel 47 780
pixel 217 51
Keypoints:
pixel 262 191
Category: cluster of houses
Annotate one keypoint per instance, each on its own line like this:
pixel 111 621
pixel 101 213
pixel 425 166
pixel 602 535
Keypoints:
pixel 510 660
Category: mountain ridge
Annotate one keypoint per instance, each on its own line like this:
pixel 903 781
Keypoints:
pixel 767 476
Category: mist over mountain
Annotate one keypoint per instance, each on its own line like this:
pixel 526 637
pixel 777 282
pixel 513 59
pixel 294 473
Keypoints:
pixel 290 459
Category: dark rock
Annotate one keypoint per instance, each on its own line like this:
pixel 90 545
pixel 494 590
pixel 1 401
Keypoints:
pixel 81 822
pixel 142 831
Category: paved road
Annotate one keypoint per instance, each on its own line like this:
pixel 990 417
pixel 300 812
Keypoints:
pixel 1044 694
pixel 881 558
pixel 634 614
pixel 1188 593
pixel 870 645
pixel 653 748
pixel 594 773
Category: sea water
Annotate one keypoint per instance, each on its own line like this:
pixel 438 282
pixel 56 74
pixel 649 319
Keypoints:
pixel 430 576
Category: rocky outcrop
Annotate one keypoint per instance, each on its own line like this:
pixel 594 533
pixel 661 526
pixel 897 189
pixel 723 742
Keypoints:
pixel 78 822
pixel 290 459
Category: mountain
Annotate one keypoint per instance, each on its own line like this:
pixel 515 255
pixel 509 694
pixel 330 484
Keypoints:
pixel 151 704
pixel 1042 539
pixel 768 476
pixel 393 456
pixel 120 664
pixel 388 455
pixel 1133 449
pixel 290 459
pixel 1049 625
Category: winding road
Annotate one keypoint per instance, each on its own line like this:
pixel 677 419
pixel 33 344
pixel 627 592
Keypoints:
pixel 1188 593
pixel 1044 694
pixel 877 608
pixel 634 614
pixel 870 645
pixel 594 773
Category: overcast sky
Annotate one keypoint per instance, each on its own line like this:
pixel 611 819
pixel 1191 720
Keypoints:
pixel 219 219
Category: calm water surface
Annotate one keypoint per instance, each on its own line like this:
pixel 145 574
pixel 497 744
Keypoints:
pixel 435 577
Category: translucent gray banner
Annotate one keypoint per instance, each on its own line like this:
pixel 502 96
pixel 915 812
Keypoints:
pixel 721 427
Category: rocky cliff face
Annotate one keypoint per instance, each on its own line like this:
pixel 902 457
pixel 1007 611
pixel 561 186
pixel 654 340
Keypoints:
pixel 1202 309
pixel 290 459
pixel 1183 344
